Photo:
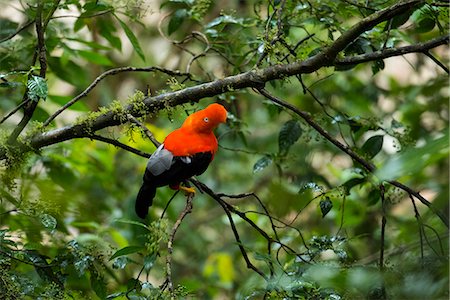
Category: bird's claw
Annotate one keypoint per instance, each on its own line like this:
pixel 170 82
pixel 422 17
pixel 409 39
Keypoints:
pixel 187 190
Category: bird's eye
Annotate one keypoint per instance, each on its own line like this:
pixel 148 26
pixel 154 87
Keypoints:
pixel 206 119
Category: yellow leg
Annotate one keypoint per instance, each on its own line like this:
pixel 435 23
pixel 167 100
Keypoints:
pixel 187 190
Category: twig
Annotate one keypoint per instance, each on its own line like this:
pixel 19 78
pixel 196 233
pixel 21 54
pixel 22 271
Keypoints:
pixel 308 119
pixel 418 196
pixel 187 209
pixel 420 225
pixel 366 164
pixel 14 110
pixel 439 63
pixel 390 52
pixel 119 145
pixel 110 73
pixel 19 30
pixel 147 132
pixel 383 226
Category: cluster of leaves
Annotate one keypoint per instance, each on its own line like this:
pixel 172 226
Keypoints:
pixel 67 223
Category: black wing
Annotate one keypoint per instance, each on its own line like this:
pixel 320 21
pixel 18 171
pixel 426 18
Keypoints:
pixel 182 168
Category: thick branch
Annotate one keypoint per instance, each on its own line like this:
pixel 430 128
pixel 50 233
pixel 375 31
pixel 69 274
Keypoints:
pixel 416 48
pixel 252 79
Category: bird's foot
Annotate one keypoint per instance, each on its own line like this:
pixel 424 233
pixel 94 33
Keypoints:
pixel 187 190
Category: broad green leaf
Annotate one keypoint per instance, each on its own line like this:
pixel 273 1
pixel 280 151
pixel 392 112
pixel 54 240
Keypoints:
pixel 289 134
pixel 325 206
pixel 176 20
pixel 132 38
pixel 37 88
pixel 398 20
pixel 127 250
pixel 349 184
pixel 92 45
pixel 373 197
pixel 424 19
pixel 373 145
pixel 262 163
pixel 414 160
pixel 125 221
pixel 95 57
pixel 108 31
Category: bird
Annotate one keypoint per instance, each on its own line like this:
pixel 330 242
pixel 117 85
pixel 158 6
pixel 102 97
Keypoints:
pixel 185 152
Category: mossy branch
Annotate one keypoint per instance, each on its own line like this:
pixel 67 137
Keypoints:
pixel 251 79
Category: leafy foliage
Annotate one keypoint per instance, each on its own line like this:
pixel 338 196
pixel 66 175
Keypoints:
pixel 309 216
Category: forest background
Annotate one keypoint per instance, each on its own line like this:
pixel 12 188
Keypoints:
pixel 331 179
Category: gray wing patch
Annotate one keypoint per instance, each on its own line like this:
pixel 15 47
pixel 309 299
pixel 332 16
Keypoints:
pixel 160 161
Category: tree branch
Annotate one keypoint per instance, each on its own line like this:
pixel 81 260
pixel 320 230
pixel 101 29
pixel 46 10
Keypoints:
pixel 111 72
pixel 253 79
pixel 187 210
pixel 416 48
pixel 119 145
pixel 366 164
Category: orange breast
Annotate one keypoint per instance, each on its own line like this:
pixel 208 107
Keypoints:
pixel 185 143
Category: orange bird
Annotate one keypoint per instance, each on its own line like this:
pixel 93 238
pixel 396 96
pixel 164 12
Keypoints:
pixel 186 151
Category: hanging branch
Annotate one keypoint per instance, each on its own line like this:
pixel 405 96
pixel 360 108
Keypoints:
pixel 187 210
pixel 366 164
pixel 119 145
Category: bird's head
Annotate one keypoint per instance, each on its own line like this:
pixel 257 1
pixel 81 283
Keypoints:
pixel 206 120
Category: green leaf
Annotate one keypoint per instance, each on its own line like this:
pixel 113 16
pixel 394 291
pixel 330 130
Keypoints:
pixel 377 66
pixel 289 134
pixel 373 197
pixel 108 31
pixel 37 88
pixel 126 221
pixel 176 20
pixel 398 20
pixel 132 38
pixel 7 27
pixel 325 206
pixel 373 145
pixel 262 163
pixel 95 57
pixel 424 19
pixel 349 184
pixel 127 250
pixel 413 160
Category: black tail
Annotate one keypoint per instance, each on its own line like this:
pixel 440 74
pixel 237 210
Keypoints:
pixel 144 199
